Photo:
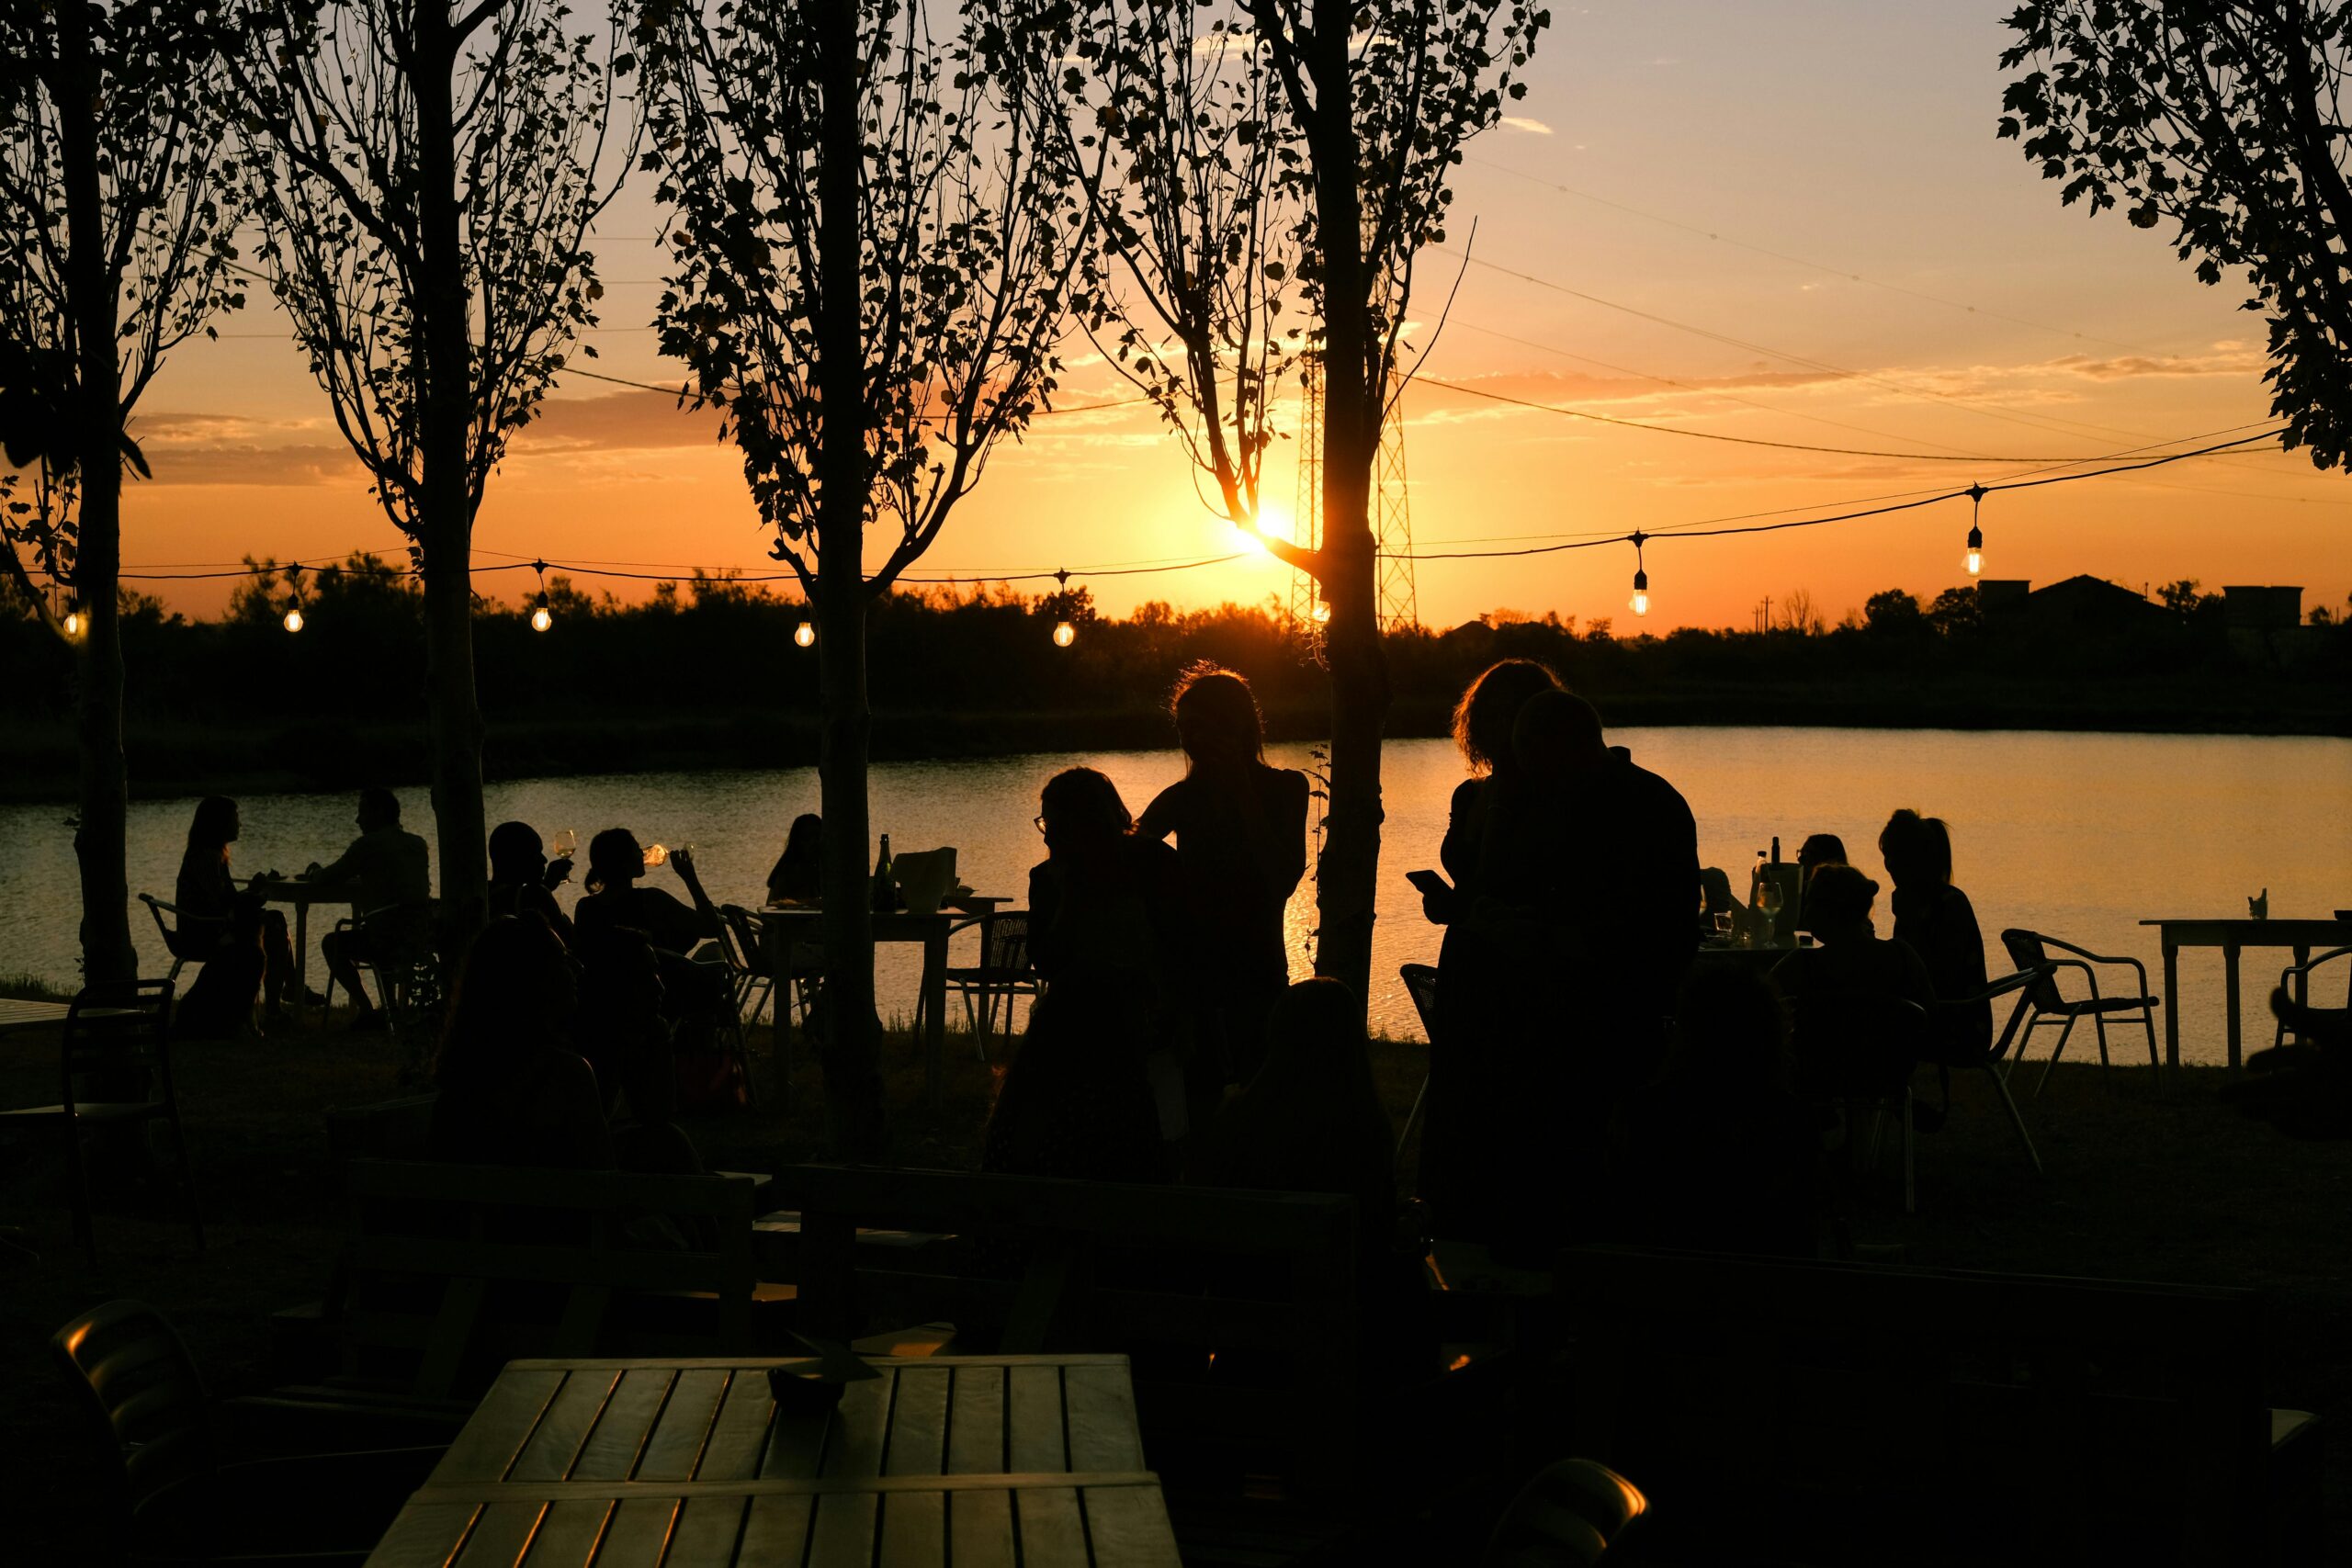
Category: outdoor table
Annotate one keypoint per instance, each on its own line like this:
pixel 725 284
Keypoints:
pixel 2232 936
pixel 977 1460
pixel 301 894
pixel 30 1015
pixel 806 924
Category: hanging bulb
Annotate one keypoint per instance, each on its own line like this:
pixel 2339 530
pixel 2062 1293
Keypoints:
pixel 1641 600
pixel 805 635
pixel 1064 634
pixel 73 623
pixel 1975 561
pixel 542 617
pixel 294 619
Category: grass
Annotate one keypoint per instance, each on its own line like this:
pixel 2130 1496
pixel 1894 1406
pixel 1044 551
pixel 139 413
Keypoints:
pixel 2175 1189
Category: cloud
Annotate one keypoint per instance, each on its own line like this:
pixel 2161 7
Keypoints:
pixel 1516 122
pixel 2232 359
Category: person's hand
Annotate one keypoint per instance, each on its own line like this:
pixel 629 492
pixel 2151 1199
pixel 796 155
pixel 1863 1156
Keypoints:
pixel 559 871
pixel 682 862
pixel 1437 907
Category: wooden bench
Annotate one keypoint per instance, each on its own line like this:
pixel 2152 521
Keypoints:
pixel 452 1270
pixel 1846 1413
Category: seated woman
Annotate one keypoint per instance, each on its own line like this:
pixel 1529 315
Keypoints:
pixel 240 941
pixel 798 875
pixel 1851 957
pixel 693 993
pixel 523 880
pixel 1939 924
pixel 1074 1101
pixel 512 1089
pixel 1311 1121
pixel 1718 1154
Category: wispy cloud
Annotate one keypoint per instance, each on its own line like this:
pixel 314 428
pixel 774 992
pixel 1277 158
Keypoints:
pixel 1518 122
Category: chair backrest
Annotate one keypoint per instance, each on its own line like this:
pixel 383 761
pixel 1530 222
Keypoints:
pixel 1420 984
pixel 450 1270
pixel 1168 1275
pixel 738 940
pixel 1848 1042
pixel 144 1394
pixel 117 1044
pixel 1809 1403
pixel 2025 951
pixel 1007 947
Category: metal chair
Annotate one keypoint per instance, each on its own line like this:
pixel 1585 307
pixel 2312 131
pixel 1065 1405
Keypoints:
pixel 1568 1516
pixel 145 1402
pixel 115 1070
pixel 753 985
pixel 2046 1005
pixel 2296 978
pixel 1003 972
pixel 175 943
pixel 1989 1059
pixel 407 970
pixel 1420 984
pixel 1861 1048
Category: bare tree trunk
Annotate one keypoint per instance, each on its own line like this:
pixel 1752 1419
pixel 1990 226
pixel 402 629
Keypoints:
pixel 447 534
pixel 99 839
pixel 852 1050
pixel 1347 874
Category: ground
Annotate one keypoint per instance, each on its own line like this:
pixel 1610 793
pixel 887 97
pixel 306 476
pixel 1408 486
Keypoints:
pixel 2179 1189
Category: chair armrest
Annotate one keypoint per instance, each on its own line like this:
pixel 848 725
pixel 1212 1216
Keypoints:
pixel 2000 987
pixel 2314 962
pixel 2103 958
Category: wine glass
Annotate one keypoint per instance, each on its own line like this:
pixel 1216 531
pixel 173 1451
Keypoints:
pixel 565 844
pixel 1723 923
pixel 1768 899
pixel 656 855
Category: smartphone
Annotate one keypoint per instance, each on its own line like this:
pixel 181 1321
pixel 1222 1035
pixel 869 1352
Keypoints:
pixel 1429 882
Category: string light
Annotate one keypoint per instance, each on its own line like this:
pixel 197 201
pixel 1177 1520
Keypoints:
pixel 73 620
pixel 1641 576
pixel 541 617
pixel 1975 534
pixel 294 619
pixel 805 635
pixel 1322 611
pixel 294 598
pixel 1064 633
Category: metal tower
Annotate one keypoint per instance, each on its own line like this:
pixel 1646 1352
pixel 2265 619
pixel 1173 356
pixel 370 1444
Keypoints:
pixel 1392 521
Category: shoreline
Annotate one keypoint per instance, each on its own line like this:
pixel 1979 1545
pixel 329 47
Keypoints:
pixel 171 761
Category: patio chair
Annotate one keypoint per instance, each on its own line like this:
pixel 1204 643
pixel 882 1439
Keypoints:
pixel 1568 1516
pixel 1860 1049
pixel 1003 973
pixel 2295 980
pixel 2046 1005
pixel 186 946
pixel 1988 1059
pixel 1420 984
pixel 172 1501
pixel 114 1070
pixel 407 970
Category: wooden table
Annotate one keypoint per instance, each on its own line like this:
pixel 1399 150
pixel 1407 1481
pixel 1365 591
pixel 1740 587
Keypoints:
pixel 2232 936
pixel 806 925
pixel 17 1014
pixel 978 1460
pixel 302 895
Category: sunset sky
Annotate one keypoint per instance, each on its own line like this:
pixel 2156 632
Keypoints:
pixel 1928 294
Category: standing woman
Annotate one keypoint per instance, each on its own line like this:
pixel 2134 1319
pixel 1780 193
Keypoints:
pixel 1479 1022
pixel 1240 829
pixel 219 926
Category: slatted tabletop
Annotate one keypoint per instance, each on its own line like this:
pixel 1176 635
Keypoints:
pixel 1030 1460
pixel 17 1014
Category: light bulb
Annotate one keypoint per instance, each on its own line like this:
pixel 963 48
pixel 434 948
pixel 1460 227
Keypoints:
pixel 1641 604
pixel 73 623
pixel 541 619
pixel 805 635
pixel 294 620
pixel 1064 634
pixel 1641 592
pixel 1976 551
pixel 1322 612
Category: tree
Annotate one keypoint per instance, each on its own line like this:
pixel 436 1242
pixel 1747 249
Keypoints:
pixel 115 249
pixel 872 268
pixel 1957 611
pixel 426 175
pixel 1892 613
pixel 1231 148
pixel 2223 117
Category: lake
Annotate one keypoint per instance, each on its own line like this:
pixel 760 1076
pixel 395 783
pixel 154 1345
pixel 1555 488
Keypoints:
pixel 2078 835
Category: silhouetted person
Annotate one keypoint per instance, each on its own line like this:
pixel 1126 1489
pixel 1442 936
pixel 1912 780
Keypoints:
pixel 388 873
pixel 1312 1121
pixel 621 1029
pixel 1101 901
pixel 241 943
pixel 1718 1154
pixel 798 875
pixel 513 1092
pixel 1938 923
pixel 692 993
pixel 1849 960
pixel 1074 1102
pixel 1817 851
pixel 1485 1009
pixel 1241 829
pixel 2303 1089
pixel 523 880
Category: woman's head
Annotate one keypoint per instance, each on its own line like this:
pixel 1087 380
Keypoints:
pixel 517 853
pixel 1079 805
pixel 1558 732
pixel 214 826
pixel 805 836
pixel 1218 721
pixel 799 871
pixel 1822 848
pixel 1483 718
pixel 1728 1028
pixel 1917 849
pixel 515 991
pixel 1839 899
pixel 615 860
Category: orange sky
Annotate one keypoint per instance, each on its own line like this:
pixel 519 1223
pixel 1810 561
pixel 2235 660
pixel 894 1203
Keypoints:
pixel 1918 251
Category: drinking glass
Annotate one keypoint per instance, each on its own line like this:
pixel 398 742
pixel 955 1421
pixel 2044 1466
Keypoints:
pixel 565 845
pixel 1768 903
pixel 1722 922
pixel 656 855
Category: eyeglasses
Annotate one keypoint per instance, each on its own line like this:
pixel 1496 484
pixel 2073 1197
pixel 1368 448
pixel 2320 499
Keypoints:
pixel 1040 823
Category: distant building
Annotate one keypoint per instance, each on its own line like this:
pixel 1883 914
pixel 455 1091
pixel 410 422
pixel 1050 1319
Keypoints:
pixel 2082 604
pixel 2266 624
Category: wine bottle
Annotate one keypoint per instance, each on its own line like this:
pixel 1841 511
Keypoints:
pixel 886 888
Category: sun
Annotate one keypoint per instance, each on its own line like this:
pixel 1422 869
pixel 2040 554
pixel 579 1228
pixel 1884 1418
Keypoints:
pixel 1274 522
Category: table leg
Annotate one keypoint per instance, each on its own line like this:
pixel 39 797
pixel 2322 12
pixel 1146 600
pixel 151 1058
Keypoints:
pixel 301 961
pixel 934 1003
pixel 2230 994
pixel 2171 1014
